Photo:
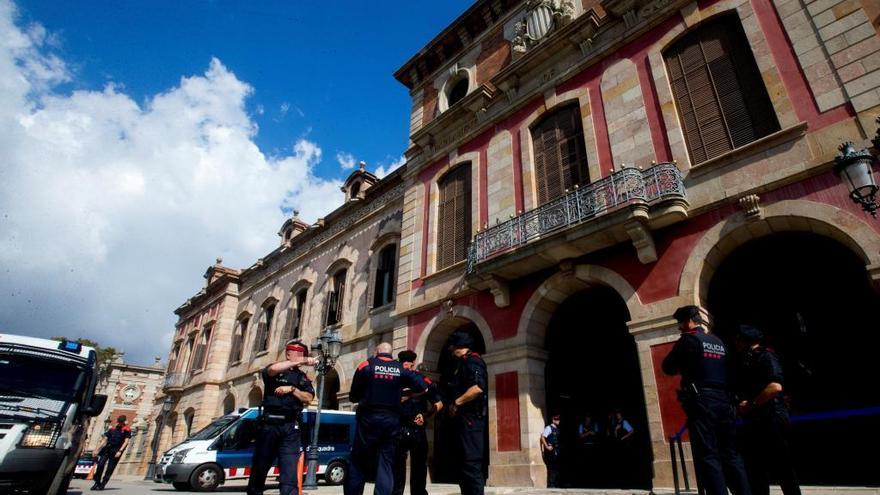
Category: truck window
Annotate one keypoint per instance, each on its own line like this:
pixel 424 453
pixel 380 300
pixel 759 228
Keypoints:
pixel 240 435
pixel 333 433
pixel 213 429
pixel 25 376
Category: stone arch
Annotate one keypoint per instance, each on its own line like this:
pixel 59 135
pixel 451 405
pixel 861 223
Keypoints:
pixel 556 289
pixel 189 416
pixel 784 216
pixel 441 327
pixel 228 404
pixel 255 396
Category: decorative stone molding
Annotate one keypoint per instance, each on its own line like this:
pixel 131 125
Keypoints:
pixel 541 18
pixel 751 206
pixel 499 288
pixel 642 240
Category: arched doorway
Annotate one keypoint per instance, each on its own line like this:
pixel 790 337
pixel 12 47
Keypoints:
pixel 593 369
pixel 441 365
pixel 812 298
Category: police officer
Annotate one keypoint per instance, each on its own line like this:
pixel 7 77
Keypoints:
pixel 469 407
pixel 767 424
pixel 377 387
pixel 416 408
pixel 550 450
pixel 701 359
pixel 110 451
pixel 287 391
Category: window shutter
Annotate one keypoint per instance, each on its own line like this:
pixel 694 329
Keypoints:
pixel 560 154
pixel 721 98
pixel 454 228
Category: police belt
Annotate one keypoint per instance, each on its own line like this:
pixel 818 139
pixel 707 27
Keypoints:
pixel 278 418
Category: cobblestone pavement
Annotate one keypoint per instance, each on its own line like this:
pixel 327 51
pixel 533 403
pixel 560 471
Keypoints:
pixel 135 486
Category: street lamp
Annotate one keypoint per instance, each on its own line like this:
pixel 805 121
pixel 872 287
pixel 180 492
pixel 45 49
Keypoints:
pixel 326 350
pixel 167 404
pixel 855 168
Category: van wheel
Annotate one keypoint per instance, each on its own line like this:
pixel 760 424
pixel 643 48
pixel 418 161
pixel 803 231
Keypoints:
pixel 206 478
pixel 181 485
pixel 335 473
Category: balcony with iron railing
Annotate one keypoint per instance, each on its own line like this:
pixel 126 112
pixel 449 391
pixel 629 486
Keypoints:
pixel 626 205
pixel 174 381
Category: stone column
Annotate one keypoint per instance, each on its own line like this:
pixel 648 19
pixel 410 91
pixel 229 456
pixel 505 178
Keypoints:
pixel 516 461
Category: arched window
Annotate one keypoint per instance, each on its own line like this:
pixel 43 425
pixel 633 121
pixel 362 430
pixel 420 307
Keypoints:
pixel 560 154
pixel 238 339
pixel 336 298
pixel 188 421
pixel 229 404
pixel 296 317
pixel 264 328
pixel 384 290
pixel 454 216
pixel 255 397
pixel 721 98
pixel 458 91
pixel 201 355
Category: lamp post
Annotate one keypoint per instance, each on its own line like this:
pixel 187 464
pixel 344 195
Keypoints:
pixel 167 404
pixel 855 169
pixel 326 350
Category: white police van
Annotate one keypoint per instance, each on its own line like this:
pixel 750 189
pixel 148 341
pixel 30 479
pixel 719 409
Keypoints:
pixel 222 450
pixel 47 394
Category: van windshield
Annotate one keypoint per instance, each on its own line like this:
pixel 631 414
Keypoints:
pixel 36 387
pixel 215 428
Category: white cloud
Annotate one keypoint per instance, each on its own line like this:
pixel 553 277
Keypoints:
pixel 387 168
pixel 111 210
pixel 346 160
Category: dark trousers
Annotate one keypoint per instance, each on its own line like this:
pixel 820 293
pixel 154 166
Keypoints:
pixel 712 428
pixel 471 436
pixel 106 460
pixel 766 452
pixel 276 441
pixel 414 441
pixel 375 439
pixel 551 460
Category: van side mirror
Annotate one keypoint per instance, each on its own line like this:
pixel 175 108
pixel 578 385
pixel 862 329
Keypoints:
pixel 96 406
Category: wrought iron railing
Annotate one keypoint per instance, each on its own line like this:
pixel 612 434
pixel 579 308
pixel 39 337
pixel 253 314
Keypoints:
pixel 173 380
pixel 661 181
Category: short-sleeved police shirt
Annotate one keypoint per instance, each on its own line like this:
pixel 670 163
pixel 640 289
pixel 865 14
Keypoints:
pixel 471 371
pixel 116 436
pixel 287 404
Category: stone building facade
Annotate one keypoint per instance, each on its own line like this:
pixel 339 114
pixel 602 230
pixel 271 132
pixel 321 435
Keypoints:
pixel 131 390
pixel 578 169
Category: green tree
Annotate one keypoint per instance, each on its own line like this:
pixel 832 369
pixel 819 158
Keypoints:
pixel 105 355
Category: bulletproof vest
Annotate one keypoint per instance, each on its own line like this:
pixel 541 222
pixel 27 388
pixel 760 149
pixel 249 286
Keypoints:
pixel 116 436
pixel 553 438
pixel 383 384
pixel 710 370
pixel 287 405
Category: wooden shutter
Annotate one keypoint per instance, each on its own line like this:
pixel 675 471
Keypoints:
pixel 340 294
pixel 560 154
pixel 235 354
pixel 454 226
pixel 721 98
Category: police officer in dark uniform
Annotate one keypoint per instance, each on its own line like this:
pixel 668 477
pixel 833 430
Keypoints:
pixel 550 449
pixel 287 391
pixel 469 407
pixel 377 387
pixel 701 359
pixel 765 414
pixel 416 408
pixel 115 441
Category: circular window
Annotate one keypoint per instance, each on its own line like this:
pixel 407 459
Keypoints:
pixel 458 91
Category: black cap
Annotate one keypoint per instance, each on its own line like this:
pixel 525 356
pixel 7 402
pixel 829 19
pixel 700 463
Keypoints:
pixel 121 418
pixel 406 356
pixel 749 333
pixel 461 339
pixel 686 313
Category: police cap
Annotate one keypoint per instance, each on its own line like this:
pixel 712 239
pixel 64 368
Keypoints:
pixel 461 339
pixel 749 333
pixel 406 356
pixel 686 313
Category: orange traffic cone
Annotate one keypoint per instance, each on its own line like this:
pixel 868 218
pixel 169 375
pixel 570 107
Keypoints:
pixel 91 474
pixel 299 471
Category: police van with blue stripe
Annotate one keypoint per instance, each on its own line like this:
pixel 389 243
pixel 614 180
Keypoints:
pixel 222 451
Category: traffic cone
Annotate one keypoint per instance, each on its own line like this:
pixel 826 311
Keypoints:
pixel 299 471
pixel 91 474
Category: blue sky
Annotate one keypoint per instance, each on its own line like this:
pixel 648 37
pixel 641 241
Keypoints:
pixel 320 70
pixel 141 140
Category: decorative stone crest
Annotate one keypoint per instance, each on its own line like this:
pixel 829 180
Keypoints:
pixel 751 206
pixel 542 17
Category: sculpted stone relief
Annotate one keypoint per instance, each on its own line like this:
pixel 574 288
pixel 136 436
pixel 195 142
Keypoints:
pixel 541 17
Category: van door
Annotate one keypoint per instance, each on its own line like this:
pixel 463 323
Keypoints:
pixel 236 448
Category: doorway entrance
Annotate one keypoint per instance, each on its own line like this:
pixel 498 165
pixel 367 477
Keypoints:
pixel 811 297
pixel 593 371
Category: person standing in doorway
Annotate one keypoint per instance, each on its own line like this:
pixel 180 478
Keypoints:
pixel 701 359
pixel 550 451
pixel 110 451
pixel 767 424
pixel 287 391
pixel 469 408
pixel 416 409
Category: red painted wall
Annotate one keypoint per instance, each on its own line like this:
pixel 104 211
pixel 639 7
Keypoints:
pixel 507 410
pixel 670 409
